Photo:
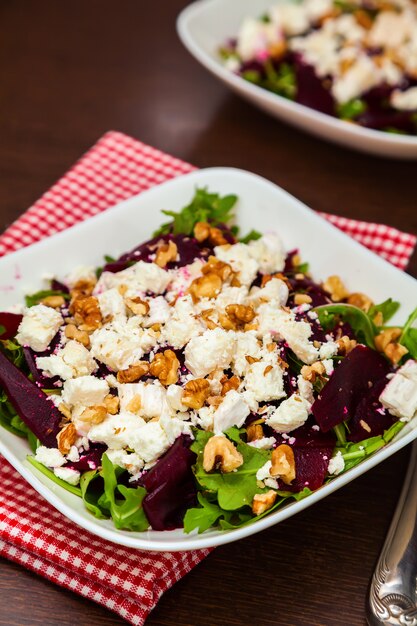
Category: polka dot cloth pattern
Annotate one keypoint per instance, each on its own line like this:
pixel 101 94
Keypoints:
pixel 32 533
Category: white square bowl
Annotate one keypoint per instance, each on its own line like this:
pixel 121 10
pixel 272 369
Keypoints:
pixel 205 25
pixel 261 205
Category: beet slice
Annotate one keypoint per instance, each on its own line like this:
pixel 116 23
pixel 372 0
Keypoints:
pixel 90 459
pixel 10 323
pixel 311 465
pixel 371 413
pixel 32 405
pixel 349 383
pixel 170 486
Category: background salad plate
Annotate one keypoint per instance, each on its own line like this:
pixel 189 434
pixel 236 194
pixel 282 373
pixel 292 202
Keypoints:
pixel 261 205
pixel 205 25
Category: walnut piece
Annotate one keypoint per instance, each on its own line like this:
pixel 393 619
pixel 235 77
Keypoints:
pixel 55 302
pixel 345 345
pixel 360 300
pixel 137 305
pixel 65 410
pixel 215 266
pixel 302 298
pixel 166 253
pixel 72 332
pixel 267 277
pixel 283 463
pixel 112 404
pixel 165 367
pixel 206 286
pixel 335 287
pixel 133 372
pixel 229 383
pixel 263 501
pixel 220 453
pixel 87 314
pixel 83 287
pixel 135 404
pixel 206 315
pixel 66 438
pixel 254 432
pixel 395 352
pixel 195 393
pixel 203 231
pixel 94 414
pixel 312 372
pixel 240 313
pixel 387 342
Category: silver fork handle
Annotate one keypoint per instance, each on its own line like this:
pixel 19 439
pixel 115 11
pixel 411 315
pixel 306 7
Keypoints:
pixel 393 594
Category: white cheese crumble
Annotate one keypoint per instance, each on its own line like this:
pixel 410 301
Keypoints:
pixel 336 464
pixel 400 394
pixel 71 361
pixel 291 414
pixel 404 100
pixel 85 391
pixel 38 327
pixel 232 412
pixel 213 349
pixel 239 257
pixel 68 474
pixel 50 457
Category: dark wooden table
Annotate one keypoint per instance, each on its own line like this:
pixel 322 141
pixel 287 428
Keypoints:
pixel 71 71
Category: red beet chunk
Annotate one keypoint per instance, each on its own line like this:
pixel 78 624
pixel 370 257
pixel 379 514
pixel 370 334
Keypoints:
pixel 30 403
pixel 89 460
pixel 10 322
pixel 308 436
pixel 370 419
pixel 170 486
pixel 349 383
pixel 310 468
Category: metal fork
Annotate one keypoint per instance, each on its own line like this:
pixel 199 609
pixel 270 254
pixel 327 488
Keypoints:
pixel 392 597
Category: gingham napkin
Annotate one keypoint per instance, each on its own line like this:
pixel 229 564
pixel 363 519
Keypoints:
pixel 32 533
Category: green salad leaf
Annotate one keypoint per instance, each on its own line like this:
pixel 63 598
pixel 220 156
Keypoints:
pixel 352 109
pixel 8 416
pixel 35 298
pixel 92 488
pixel 387 309
pixel 203 517
pixel 409 335
pixel 253 235
pixel 124 503
pixel 331 314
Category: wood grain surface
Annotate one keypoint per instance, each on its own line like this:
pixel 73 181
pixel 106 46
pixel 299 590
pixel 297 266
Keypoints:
pixel 70 72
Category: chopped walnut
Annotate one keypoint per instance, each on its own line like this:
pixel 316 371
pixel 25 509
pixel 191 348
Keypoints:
pixel 201 231
pixel 263 501
pixel 94 414
pixel 251 359
pixel 195 393
pixel 395 352
pixel 87 314
pixel 206 315
pixel 363 19
pixel 112 404
pixel 283 463
pixel 133 372
pixel 65 410
pixel 72 332
pixel 229 383
pixel 254 432
pixel 165 367
pixel 221 453
pixel 386 337
pixel 267 277
pixel 302 298
pixel 83 287
pixel 335 287
pixel 54 302
pixel 217 237
pixel 365 426
pixel 345 345
pixel 137 305
pixel 240 313
pixel 278 49
pixel 312 372
pixel 215 266
pixel 66 438
pixel 214 401
pixel 135 404
pixel 360 300
pixel 206 286
pixel 166 253
pixel 378 319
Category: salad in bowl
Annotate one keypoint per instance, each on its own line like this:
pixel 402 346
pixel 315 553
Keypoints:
pixel 203 379
pixel 352 59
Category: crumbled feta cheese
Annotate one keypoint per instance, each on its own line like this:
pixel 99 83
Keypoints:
pixel 38 327
pixel 150 442
pixel 111 304
pixel 71 476
pixel 316 9
pixel 231 295
pixel 360 77
pixel 268 252
pixel 328 349
pixel 159 311
pixel 265 379
pixel 400 394
pixel 73 455
pixel 329 366
pixel 404 100
pixel 305 389
pixel 117 431
pixel 120 344
pixel 174 396
pixel 275 289
pixel 390 29
pixel 203 418
pixel 291 414
pixel 246 345
pixel 138 278
pixel 182 277
pixel 50 457
pixel 296 334
pixel 211 350
pixel 183 324
pixel 85 391
pixel 232 412
pixel 71 361
pixel 255 37
pixel 292 18
pixel 153 398
pixel 81 273
pixel 336 464
pixel 238 256
pixel 173 427
pixel 265 443
pixel 128 460
pixel 264 471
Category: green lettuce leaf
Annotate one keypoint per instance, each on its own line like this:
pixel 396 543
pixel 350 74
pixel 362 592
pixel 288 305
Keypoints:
pixel 387 308
pixel 409 335
pixel 124 503
pixel 92 488
pixel 331 314
pixel 35 298
pixel 203 517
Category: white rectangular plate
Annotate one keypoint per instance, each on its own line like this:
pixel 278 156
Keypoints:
pixel 205 25
pixel 261 205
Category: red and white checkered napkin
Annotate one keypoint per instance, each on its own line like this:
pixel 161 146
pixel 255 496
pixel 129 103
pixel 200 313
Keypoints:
pixel 32 533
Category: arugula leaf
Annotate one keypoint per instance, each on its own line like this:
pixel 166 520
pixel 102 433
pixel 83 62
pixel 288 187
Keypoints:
pixel 281 81
pixel 14 352
pixel 253 235
pixel 92 488
pixel 126 511
pixel 330 314
pixel 409 335
pixel 204 207
pixel 35 298
pixel 49 473
pixel 352 109
pixel 387 308
pixel 302 268
pixel 204 516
